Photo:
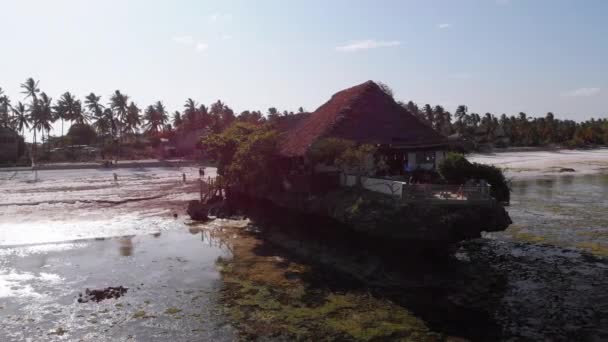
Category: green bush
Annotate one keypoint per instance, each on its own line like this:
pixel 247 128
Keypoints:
pixel 456 169
pixel 82 134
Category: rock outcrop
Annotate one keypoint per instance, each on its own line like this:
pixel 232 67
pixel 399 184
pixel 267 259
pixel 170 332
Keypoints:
pixel 379 216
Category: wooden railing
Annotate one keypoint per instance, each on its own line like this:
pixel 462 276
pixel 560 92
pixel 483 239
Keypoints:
pixel 420 192
pixel 211 187
pixel 442 192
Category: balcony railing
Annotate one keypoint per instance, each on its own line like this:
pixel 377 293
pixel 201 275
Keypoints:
pixel 422 192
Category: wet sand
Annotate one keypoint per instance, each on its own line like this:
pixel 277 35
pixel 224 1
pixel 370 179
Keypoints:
pixel 519 165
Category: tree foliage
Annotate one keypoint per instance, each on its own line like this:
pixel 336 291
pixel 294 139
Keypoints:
pixel 245 154
pixel 514 130
pixel 328 151
pixel 347 156
pixel 82 134
pixel 456 169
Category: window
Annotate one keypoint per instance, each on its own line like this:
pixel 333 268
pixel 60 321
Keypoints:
pixel 425 157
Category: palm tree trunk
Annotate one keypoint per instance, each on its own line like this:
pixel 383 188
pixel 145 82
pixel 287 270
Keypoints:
pixel 34 149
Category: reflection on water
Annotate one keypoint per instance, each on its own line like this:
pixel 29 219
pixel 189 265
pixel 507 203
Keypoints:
pixel 125 245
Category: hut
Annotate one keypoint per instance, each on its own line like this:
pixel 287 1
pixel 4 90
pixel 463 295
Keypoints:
pixel 365 114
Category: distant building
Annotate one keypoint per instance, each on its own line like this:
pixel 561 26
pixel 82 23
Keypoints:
pixel 9 145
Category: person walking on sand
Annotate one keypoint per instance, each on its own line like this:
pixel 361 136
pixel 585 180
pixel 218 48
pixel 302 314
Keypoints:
pixel 201 172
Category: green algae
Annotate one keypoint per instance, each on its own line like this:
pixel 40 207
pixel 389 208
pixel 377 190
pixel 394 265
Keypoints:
pixel 172 311
pixel 528 237
pixel 266 297
pixel 139 314
pixel 594 248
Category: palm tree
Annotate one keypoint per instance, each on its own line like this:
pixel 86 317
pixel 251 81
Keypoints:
pixel 177 120
pixel 155 117
pixel 102 119
pixel 5 105
pixel 104 123
pixel 120 105
pixel 22 118
pixel 162 113
pixel 222 115
pixel 30 89
pixel 39 118
pixel 428 113
pixel 45 116
pixel 150 119
pixel 133 119
pixel 203 116
pixel 69 108
pixel 95 108
pixel 191 113
pixel 79 116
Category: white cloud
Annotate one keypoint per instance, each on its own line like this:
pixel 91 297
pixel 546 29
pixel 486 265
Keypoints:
pixel 226 37
pixel 185 40
pixel 366 45
pixel 583 92
pixel 444 26
pixel 200 47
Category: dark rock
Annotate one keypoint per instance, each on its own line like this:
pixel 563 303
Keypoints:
pixel 380 216
pixel 198 211
pixel 102 294
pixel 567 169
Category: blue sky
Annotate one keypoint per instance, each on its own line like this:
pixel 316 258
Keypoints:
pixel 493 55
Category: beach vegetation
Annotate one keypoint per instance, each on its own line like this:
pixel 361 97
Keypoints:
pixel 456 169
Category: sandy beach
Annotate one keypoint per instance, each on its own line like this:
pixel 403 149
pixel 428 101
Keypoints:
pixel 521 165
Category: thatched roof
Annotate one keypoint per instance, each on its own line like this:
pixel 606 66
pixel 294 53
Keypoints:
pixel 364 114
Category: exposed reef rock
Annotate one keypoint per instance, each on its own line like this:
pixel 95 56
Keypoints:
pixel 198 211
pixel 380 216
pixel 102 294
pixel 369 214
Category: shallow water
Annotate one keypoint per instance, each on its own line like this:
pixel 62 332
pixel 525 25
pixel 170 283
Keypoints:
pixel 55 205
pixel 171 279
pixel 566 210
pixel 545 277
pixel 62 232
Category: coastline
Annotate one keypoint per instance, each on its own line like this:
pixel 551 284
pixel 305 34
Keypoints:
pixel 121 164
pixel 545 163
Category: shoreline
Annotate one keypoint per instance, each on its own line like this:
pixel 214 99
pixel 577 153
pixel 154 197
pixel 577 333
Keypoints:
pixel 546 163
pixel 498 150
pixel 121 164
